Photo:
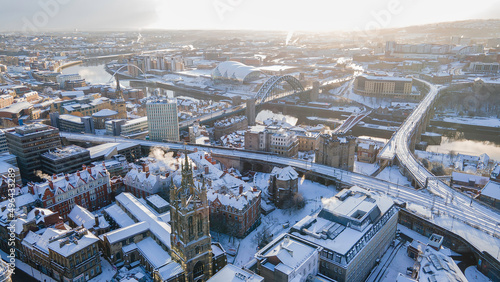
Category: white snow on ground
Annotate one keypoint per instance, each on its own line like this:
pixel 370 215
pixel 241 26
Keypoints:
pixel 477 237
pixel 312 193
pixel 435 157
pixel 482 121
pixel 473 275
pixel 261 180
pixel 422 211
pixel 392 174
pixel 107 272
pixel 365 168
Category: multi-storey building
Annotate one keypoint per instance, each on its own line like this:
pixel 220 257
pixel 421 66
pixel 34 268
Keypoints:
pixel 143 183
pixel 81 106
pixel 484 67
pixel 190 237
pixel 6 100
pixel 288 258
pixel 229 125
pixel 3 142
pixel 102 116
pixel 272 139
pixel 384 86
pixel 64 160
pixel 61 79
pixel 65 255
pixel 283 185
pixel 31 96
pixel 28 142
pixel 307 141
pixel 126 127
pixel 89 188
pixel 234 205
pixel 337 151
pixel 354 228
pixel 71 123
pixel 284 143
pixel 8 162
pixel 163 123
pixel 11 115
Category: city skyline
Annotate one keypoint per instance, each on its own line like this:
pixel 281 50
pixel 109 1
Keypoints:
pixel 318 15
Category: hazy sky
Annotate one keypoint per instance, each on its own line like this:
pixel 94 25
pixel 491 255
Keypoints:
pixel 236 14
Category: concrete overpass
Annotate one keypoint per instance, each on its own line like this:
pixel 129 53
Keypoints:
pixel 477 215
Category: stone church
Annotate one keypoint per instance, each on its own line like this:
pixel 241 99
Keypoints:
pixel 190 237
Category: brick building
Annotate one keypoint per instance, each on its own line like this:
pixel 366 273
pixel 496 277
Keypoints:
pixel 234 205
pixel 89 188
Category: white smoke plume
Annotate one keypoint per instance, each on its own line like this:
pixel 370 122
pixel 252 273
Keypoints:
pixel 164 159
pixel 289 37
pixel 42 175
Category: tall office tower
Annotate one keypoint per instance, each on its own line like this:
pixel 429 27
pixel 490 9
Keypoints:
pixel 163 123
pixel 28 142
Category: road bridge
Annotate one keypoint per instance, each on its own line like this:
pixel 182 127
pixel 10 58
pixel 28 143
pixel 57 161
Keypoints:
pixel 457 205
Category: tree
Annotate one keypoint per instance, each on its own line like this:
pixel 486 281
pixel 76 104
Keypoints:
pixel 452 155
pixel 438 170
pixel 298 201
pixel 263 236
pixel 425 163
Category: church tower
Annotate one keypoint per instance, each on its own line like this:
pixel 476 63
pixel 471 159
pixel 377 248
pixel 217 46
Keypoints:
pixel 190 237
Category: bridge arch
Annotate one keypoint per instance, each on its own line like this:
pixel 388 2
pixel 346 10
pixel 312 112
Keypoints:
pixel 113 76
pixel 268 90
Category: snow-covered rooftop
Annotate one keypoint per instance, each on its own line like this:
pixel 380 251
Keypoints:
pixel 142 213
pixel 82 217
pixel 344 220
pixel 492 190
pixel 119 216
pixel 285 174
pixel 232 273
pixel 158 201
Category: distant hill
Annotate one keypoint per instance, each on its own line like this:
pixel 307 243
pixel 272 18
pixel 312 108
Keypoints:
pixel 469 28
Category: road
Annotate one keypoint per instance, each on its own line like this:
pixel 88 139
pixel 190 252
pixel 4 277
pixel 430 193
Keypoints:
pixel 351 121
pixel 460 205
pixel 478 215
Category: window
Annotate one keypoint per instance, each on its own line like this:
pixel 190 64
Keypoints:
pixel 190 226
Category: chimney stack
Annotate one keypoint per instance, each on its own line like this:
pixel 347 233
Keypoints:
pixel 241 189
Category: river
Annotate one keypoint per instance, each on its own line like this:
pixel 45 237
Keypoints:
pixel 94 74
